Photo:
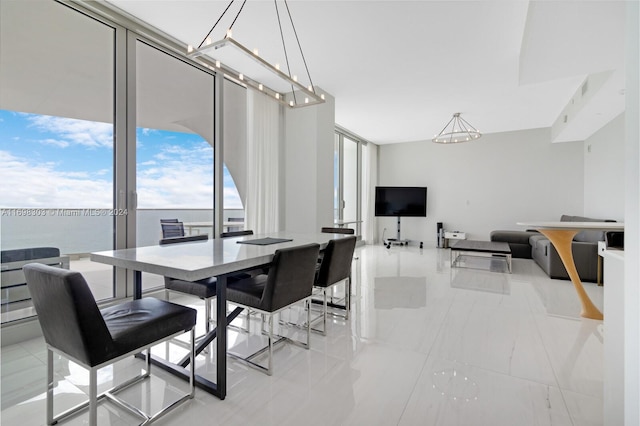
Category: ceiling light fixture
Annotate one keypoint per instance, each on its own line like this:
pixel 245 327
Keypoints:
pixel 307 94
pixel 457 130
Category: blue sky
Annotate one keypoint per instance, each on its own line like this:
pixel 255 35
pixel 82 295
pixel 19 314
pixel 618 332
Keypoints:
pixel 55 162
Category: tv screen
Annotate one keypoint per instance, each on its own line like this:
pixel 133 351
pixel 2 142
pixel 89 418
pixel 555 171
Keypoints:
pixel 401 201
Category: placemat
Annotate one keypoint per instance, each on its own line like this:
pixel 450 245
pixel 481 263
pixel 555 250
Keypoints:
pixel 265 241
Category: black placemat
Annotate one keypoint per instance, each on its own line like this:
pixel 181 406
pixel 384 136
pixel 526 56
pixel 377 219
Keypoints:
pixel 265 241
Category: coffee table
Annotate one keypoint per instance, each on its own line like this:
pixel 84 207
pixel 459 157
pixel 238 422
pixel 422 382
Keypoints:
pixel 493 249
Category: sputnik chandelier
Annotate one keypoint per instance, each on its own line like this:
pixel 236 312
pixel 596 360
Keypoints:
pixel 289 92
pixel 457 130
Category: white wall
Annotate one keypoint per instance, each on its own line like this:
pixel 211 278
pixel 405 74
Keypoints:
pixel 485 185
pixel 235 134
pixel 604 171
pixel 308 167
pixel 632 220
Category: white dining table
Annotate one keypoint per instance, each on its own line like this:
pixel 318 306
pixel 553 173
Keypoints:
pixel 192 261
pixel 561 236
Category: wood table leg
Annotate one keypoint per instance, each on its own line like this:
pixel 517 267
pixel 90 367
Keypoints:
pixel 561 240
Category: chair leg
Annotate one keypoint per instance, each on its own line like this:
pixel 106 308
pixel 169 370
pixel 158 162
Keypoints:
pixel 192 363
pixel 309 321
pixel 49 386
pixel 207 315
pixel 148 363
pixel 347 299
pixel 93 397
pixel 270 369
pixel 324 311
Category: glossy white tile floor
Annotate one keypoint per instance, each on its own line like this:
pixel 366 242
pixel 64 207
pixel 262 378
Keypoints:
pixel 426 345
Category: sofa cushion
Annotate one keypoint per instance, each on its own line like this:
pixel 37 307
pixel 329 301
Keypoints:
pixel 519 237
pixel 534 239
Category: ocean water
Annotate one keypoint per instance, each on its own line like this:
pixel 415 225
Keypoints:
pixel 81 231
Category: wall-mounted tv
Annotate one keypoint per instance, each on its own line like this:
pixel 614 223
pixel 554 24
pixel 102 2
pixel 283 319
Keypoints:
pixel 401 201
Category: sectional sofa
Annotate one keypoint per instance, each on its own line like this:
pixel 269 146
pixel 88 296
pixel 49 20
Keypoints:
pixel 534 245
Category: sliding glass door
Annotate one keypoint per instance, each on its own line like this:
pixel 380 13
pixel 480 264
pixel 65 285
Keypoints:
pixel 57 91
pixel 347 181
pixel 174 146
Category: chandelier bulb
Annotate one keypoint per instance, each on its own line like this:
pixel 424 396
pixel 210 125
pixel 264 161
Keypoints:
pixel 241 76
pixel 207 41
pixel 306 100
pixel 189 48
pixel 277 95
pixel 291 103
pixel 218 64
pixel 278 67
pixel 229 33
pixel 295 78
pixel 260 87
pixel 255 52
pixel 322 96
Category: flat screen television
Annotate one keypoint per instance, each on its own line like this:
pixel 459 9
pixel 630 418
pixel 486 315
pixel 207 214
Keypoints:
pixel 401 201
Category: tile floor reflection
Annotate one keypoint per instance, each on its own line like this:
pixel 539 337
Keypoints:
pixel 425 345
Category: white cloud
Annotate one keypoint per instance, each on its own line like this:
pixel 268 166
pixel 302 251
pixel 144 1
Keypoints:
pixel 71 131
pixel 179 177
pixel 28 184
pixel 232 199
pixel 55 142
pixel 182 177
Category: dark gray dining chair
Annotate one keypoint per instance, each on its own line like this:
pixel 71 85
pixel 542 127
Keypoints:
pixel 337 230
pixel 235 219
pixel 334 269
pixel 204 289
pixel 73 326
pixel 171 228
pixel 289 281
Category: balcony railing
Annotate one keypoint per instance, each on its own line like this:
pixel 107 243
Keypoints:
pixel 77 233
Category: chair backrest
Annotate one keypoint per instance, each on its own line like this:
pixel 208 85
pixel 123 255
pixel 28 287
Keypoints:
pixel 185 239
pixel 69 316
pixel 236 233
pixel 336 261
pixel 169 221
pixel 328 230
pixel 291 276
pixel 172 229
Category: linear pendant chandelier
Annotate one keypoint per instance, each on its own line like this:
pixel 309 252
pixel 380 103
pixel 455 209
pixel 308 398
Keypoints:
pixel 209 52
pixel 457 130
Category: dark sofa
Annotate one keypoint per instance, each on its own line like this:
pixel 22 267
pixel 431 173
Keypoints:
pixel 532 244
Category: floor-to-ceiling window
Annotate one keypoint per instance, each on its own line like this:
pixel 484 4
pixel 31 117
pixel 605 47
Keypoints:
pixel 56 141
pixel 348 180
pixel 102 133
pixel 174 146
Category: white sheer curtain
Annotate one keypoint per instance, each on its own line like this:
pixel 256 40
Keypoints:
pixel 263 145
pixel 369 181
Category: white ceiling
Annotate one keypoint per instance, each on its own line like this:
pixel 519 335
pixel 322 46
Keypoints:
pixel 399 69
